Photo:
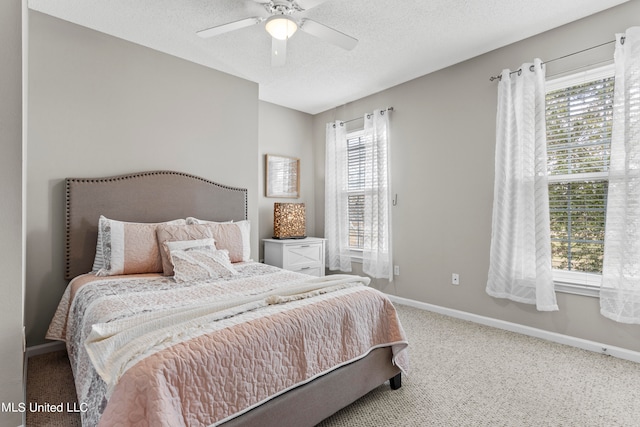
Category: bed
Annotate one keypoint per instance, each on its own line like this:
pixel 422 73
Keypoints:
pixel 202 335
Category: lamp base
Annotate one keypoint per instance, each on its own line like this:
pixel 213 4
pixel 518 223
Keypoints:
pixel 289 237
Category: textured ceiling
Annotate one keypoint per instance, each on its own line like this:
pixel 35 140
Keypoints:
pixel 398 39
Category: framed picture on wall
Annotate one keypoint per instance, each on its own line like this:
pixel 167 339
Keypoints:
pixel 282 176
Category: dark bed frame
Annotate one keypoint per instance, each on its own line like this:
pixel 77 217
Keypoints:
pixel 158 196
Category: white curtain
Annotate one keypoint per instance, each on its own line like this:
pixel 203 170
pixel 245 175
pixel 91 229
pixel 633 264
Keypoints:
pixel 620 291
pixel 377 254
pixel 336 218
pixel 520 256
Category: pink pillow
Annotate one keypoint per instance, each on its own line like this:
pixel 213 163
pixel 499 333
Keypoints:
pixel 232 236
pixel 128 247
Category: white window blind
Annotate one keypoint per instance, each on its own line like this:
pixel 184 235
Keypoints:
pixel 579 115
pixel 356 178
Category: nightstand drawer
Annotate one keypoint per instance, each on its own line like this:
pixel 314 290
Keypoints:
pixel 312 271
pixel 302 256
pixel 298 256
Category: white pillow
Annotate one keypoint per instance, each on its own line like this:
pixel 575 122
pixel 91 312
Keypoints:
pixel 196 260
pixel 178 232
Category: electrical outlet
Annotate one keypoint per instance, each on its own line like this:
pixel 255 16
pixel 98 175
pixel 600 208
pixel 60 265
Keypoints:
pixel 396 270
pixel 455 279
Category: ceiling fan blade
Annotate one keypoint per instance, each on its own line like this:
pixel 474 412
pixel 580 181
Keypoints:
pixel 308 4
pixel 278 52
pixel 330 35
pixel 231 26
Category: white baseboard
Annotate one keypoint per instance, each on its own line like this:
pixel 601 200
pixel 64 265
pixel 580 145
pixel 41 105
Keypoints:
pixel 619 352
pixel 49 347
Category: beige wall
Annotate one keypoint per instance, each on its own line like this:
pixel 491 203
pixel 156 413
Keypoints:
pixel 286 132
pixel 101 106
pixel 443 141
pixel 11 213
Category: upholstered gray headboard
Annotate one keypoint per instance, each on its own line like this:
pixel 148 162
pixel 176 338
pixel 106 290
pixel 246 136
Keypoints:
pixel 154 196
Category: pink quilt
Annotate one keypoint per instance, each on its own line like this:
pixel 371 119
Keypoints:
pixel 148 351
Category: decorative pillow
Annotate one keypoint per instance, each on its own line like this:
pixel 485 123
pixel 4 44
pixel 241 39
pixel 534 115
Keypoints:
pixel 191 220
pixel 232 236
pixel 174 232
pixel 127 247
pixel 199 260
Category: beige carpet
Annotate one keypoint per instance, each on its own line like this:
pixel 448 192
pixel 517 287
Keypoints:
pixel 462 374
pixel 49 380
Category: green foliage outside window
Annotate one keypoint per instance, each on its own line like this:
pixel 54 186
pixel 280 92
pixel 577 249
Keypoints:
pixel 578 140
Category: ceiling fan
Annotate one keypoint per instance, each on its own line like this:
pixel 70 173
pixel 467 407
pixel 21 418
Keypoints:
pixel 281 25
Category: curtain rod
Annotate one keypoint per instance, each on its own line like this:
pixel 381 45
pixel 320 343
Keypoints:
pixel 342 122
pixel 519 71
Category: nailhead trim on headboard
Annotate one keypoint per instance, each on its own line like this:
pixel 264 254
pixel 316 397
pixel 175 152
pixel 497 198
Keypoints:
pixel 131 176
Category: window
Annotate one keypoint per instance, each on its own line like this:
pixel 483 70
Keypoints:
pixel 579 110
pixel 355 187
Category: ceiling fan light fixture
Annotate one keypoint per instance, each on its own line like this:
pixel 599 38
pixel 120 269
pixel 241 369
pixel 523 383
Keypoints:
pixel 281 27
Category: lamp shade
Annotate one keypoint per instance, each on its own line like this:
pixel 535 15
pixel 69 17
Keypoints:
pixel 289 221
pixel 281 27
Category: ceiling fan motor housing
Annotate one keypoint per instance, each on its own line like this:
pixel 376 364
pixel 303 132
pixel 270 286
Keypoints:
pixel 282 7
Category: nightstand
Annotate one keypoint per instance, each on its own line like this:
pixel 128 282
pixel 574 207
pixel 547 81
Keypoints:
pixel 300 255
